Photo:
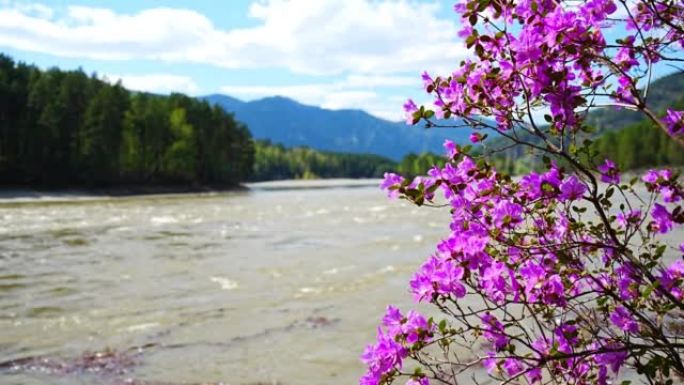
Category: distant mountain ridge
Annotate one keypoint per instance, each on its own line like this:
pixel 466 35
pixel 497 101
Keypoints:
pixel 290 123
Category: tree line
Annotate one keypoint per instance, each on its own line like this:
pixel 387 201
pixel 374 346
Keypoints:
pixel 274 161
pixel 637 146
pixel 65 128
pixel 640 145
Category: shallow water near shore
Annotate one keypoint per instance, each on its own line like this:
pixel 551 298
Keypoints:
pixel 281 283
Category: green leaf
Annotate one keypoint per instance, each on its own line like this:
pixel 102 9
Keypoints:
pixel 479 50
pixel 470 41
pixel 609 192
pixel 442 326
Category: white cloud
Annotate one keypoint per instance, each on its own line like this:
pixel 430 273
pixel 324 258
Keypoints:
pixel 157 83
pixel 303 36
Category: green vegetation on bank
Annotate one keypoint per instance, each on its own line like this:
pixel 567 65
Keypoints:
pixel 640 145
pixel 274 162
pixel 418 164
pixel 64 128
pixel 636 146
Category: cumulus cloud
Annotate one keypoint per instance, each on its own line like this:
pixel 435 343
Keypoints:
pixel 303 36
pixel 156 83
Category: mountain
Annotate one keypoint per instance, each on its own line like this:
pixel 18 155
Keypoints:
pixel 290 123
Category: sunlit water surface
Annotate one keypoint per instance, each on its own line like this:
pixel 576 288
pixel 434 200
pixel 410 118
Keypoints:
pixel 274 284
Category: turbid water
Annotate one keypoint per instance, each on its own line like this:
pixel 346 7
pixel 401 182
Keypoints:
pixel 282 283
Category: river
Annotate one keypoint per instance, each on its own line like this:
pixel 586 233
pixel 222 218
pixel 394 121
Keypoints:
pixel 282 283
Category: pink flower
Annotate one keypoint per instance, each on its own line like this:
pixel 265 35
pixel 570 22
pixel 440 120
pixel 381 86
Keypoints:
pixel 622 318
pixel 409 108
pixel 609 172
pixel 466 31
pixel 393 320
pixel 662 217
pixel 490 363
pixel 507 214
pixel 512 366
pixel 566 337
pixel 572 189
pixel 437 276
pixel 381 358
pixel 494 331
pixel 416 328
pixel 631 218
pixel 672 278
pixel 614 357
pixel 674 120
pixel 451 149
pixel 391 183
pixel 553 292
pixel 427 80
pixel 418 381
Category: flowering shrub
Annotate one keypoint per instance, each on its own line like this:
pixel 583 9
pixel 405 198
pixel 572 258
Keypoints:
pixel 561 275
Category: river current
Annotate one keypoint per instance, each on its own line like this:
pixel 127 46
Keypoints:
pixel 281 283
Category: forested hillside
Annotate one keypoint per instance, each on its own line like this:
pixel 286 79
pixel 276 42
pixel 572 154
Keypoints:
pixel 662 93
pixel 638 146
pixel 622 135
pixel 274 162
pixel 65 128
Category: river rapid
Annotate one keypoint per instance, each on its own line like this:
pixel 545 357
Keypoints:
pixel 282 283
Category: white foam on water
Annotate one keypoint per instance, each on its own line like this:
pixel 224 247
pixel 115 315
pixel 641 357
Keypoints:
pixel 310 290
pixel 143 326
pixel 387 269
pixel 376 209
pixel 336 270
pixel 225 283
pixel 163 220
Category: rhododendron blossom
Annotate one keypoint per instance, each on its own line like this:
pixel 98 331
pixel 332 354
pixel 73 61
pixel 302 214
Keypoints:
pixel 564 274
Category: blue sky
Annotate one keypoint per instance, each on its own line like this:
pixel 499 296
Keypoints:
pixel 331 53
pixel 365 54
